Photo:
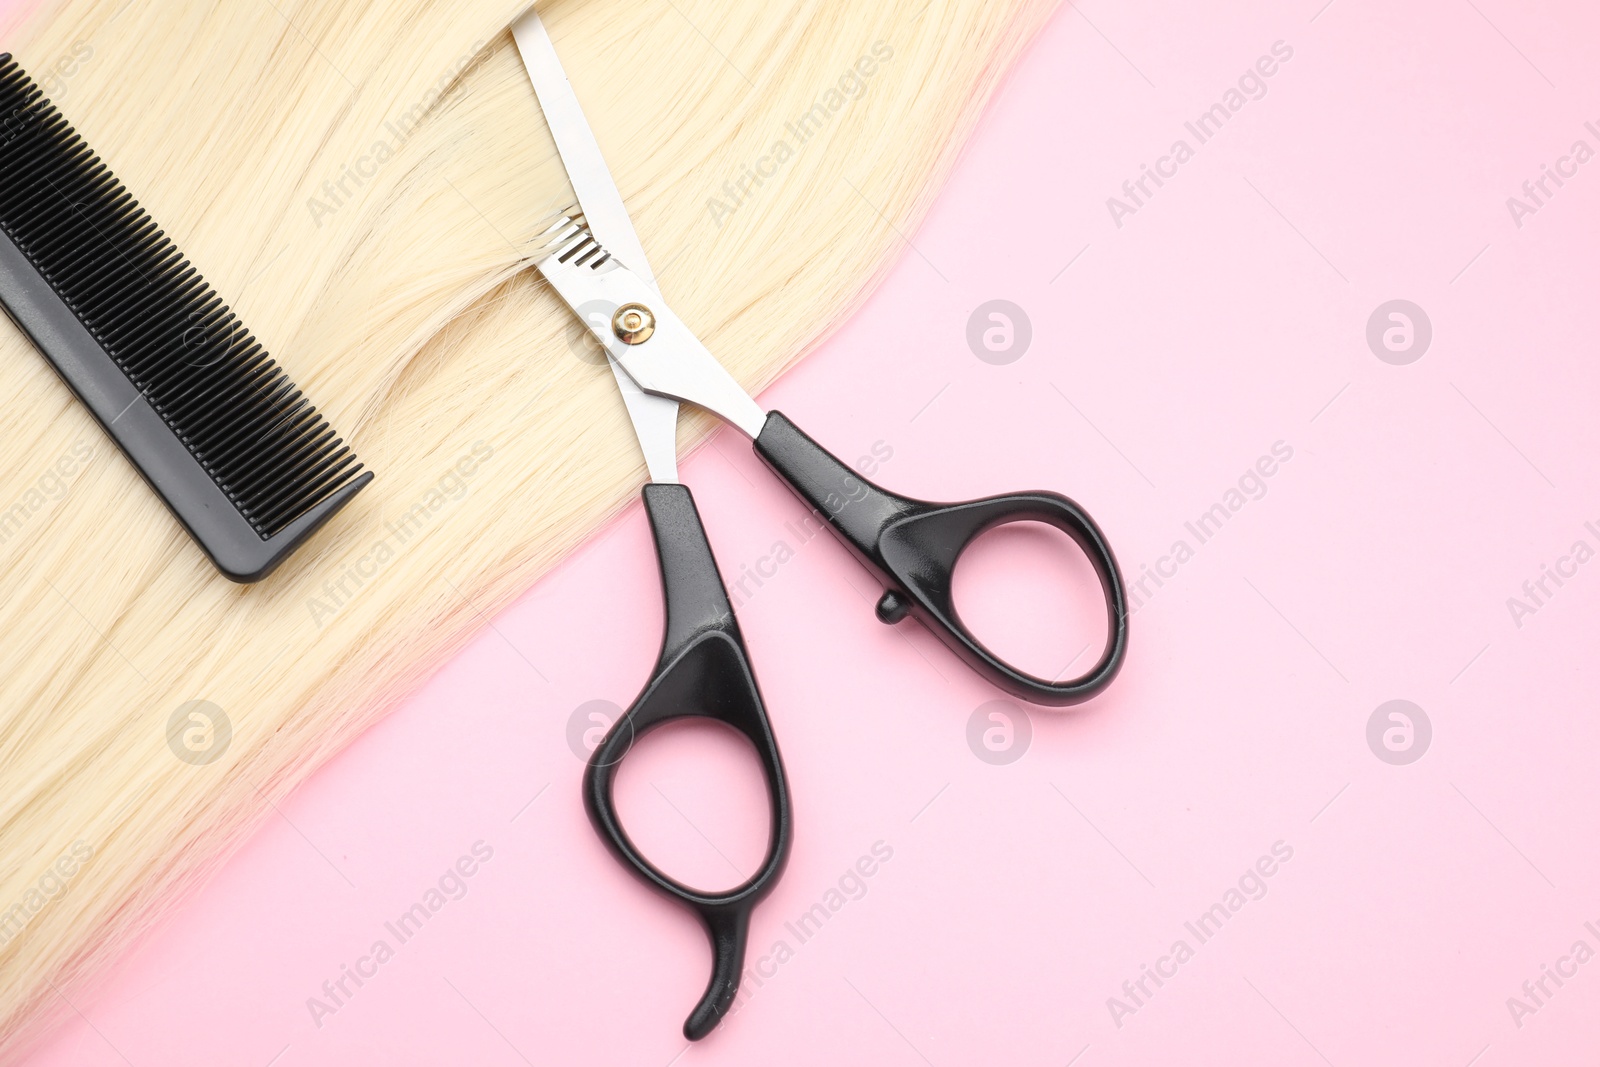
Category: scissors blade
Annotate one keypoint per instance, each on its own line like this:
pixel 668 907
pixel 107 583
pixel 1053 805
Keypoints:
pixel 655 418
pixel 591 179
pixel 655 423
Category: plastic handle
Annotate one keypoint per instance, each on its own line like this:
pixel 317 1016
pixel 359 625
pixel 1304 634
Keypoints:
pixel 703 671
pixel 913 545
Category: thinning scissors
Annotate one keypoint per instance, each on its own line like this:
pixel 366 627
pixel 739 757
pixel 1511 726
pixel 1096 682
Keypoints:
pixel 594 260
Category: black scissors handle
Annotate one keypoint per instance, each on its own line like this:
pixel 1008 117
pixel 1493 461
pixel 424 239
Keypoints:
pixel 703 671
pixel 912 547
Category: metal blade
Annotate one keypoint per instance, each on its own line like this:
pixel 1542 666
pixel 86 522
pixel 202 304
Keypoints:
pixel 655 418
pixel 655 423
pixel 591 179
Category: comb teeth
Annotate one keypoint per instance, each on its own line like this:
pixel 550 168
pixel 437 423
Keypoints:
pixel 200 370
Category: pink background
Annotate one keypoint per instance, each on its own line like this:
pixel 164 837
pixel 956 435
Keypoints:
pixel 1227 314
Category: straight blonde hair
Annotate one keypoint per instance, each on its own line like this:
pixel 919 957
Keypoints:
pixel 364 180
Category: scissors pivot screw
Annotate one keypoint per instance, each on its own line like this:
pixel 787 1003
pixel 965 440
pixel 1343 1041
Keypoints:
pixel 633 324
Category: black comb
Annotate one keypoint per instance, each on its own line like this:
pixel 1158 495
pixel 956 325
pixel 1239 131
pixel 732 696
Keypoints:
pixel 209 419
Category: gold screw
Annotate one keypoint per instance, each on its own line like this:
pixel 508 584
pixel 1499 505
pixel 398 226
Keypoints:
pixel 633 324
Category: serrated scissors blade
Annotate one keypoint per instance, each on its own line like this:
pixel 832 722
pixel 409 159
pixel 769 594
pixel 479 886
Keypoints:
pixel 603 210
pixel 654 418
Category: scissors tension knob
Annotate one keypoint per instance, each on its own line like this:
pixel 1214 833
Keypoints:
pixel 892 608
